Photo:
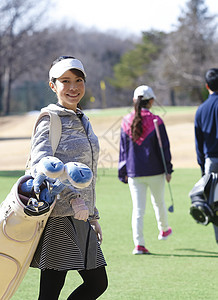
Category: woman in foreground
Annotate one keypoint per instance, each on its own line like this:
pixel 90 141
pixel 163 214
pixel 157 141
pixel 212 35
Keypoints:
pixel 72 236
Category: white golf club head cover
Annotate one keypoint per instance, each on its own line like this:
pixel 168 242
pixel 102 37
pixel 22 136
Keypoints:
pixel 77 174
pixel 50 166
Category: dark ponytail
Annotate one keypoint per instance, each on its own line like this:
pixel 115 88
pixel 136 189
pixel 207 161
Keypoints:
pixel 136 127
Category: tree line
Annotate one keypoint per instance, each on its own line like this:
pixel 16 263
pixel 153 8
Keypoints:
pixel 172 63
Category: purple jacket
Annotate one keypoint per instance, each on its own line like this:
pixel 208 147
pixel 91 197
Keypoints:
pixel 143 157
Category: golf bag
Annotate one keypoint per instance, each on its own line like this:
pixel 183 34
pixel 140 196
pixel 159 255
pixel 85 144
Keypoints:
pixel 204 198
pixel 21 225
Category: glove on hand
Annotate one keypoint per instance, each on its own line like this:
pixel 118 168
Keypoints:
pixel 80 209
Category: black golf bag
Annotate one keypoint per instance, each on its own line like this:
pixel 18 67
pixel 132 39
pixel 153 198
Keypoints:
pixel 204 199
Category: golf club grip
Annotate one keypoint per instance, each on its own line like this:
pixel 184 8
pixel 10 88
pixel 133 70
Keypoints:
pixel 160 144
pixel 157 132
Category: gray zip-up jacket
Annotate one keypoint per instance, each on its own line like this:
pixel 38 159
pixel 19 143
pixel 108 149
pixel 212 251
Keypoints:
pixel 78 143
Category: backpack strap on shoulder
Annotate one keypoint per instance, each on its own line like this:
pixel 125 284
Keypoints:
pixel 55 130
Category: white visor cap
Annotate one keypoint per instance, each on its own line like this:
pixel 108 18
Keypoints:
pixel 64 65
pixel 145 91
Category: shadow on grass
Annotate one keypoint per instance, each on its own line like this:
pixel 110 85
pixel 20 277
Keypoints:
pixel 198 251
pixel 208 254
pixel 17 173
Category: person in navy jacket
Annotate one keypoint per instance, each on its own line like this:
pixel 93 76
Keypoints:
pixel 141 165
pixel 206 129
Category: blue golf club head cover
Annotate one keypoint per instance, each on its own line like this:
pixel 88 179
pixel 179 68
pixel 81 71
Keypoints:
pixel 37 182
pixel 77 174
pixel 46 196
pixel 50 166
pixel 57 187
pixel 27 186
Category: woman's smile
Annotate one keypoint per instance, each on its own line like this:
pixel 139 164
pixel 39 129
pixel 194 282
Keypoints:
pixel 70 89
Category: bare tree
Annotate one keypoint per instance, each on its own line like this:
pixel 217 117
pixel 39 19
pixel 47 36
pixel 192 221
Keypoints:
pixel 98 51
pixel 188 52
pixel 19 19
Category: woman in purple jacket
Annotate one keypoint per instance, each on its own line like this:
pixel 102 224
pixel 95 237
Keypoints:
pixel 141 166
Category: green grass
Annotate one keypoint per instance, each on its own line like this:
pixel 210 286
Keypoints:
pixel 7 179
pixel 121 111
pixel 183 267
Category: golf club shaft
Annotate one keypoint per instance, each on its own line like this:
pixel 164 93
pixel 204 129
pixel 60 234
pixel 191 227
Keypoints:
pixel 162 154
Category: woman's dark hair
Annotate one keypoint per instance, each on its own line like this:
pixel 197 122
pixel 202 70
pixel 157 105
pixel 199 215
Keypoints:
pixel 77 72
pixel 61 58
pixel 136 127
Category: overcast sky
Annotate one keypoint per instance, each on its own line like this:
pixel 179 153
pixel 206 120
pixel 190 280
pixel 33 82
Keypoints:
pixel 122 15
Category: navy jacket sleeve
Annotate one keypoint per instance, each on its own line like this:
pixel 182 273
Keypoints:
pixel 199 142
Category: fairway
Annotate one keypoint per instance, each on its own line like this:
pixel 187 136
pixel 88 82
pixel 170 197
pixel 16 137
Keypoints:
pixel 183 267
pixel 16 132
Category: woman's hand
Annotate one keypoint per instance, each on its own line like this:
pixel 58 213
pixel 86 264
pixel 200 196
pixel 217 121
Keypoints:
pixel 97 228
pixel 168 177
pixel 80 209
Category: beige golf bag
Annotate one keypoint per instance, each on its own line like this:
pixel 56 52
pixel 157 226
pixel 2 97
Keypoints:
pixel 20 229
